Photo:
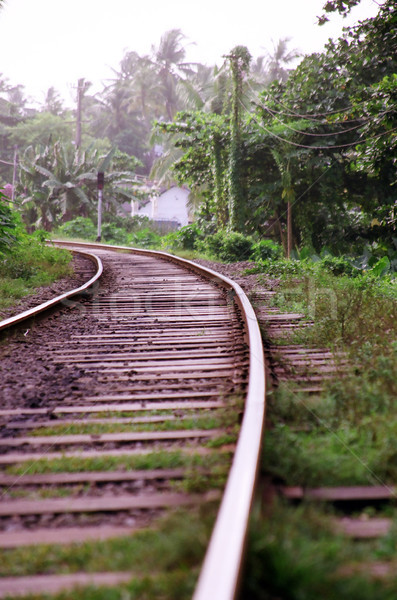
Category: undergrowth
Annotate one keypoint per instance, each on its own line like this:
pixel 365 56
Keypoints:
pixel 163 560
pixel 344 435
pixel 29 263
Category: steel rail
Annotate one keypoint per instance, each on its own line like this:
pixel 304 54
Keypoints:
pixel 32 312
pixel 220 574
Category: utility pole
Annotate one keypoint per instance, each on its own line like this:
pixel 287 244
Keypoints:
pixel 14 173
pixel 101 182
pixel 80 92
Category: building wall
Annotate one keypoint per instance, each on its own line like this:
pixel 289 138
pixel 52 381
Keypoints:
pixel 171 205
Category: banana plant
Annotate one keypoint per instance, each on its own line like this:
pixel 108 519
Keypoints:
pixel 60 182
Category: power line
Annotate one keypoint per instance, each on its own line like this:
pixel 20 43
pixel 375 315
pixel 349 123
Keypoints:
pixel 310 117
pixel 334 133
pixel 331 147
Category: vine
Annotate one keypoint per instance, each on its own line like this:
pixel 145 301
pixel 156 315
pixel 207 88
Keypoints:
pixel 240 60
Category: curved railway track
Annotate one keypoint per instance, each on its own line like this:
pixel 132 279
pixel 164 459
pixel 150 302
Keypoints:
pixel 156 362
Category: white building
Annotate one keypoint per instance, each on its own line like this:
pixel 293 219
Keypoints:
pixel 170 205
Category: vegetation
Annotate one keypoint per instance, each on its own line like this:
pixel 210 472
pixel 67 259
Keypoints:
pixel 341 436
pixel 290 168
pixel 298 555
pixel 164 560
pixel 25 261
pixel 304 156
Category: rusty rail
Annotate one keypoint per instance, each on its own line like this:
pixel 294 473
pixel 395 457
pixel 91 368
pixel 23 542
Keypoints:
pixel 220 573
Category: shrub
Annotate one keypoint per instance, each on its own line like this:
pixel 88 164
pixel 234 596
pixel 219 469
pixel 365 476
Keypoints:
pixel 145 238
pixel 80 227
pixel 113 234
pixel 227 246
pixel 10 226
pixel 185 238
pixel 266 249
pixel 212 244
pixel 188 236
pixel 236 247
pixel 129 224
pixel 338 265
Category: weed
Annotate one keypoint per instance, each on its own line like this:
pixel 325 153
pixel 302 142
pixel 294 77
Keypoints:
pixel 296 555
pixel 165 548
pixel 154 460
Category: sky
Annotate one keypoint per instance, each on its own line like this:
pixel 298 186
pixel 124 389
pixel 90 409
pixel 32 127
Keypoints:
pixel 53 43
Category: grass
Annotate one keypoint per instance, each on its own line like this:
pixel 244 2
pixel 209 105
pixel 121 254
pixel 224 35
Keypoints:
pixel 30 265
pixel 296 555
pixel 154 460
pixel 199 422
pixel 165 548
pixel 344 435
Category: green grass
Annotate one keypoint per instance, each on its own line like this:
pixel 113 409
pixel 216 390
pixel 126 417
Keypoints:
pixel 344 435
pixel 154 460
pixel 30 265
pixel 206 422
pixel 177 543
pixel 296 555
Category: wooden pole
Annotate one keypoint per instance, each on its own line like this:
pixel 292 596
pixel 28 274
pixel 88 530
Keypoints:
pixel 80 91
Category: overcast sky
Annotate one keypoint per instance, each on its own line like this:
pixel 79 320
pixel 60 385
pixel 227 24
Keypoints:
pixel 48 43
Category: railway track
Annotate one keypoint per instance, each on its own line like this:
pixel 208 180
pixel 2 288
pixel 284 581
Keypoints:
pixel 121 405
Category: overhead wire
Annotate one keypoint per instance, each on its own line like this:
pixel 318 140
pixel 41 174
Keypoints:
pixel 310 117
pixel 330 147
pixel 332 134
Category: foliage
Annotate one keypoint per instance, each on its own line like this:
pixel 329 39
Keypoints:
pixel 80 227
pixel 203 139
pixel 145 238
pixel 7 226
pixel 227 246
pixel 60 182
pixel 44 128
pixel 240 59
pixel 135 231
pixel 186 238
pixel 265 249
pixel 29 263
pixel 295 555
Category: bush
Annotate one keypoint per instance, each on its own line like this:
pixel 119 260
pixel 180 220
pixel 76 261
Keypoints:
pixel 265 250
pixel 227 246
pixel 145 238
pixel 188 236
pixel 185 238
pixel 129 224
pixel 9 230
pixel 338 265
pixel 113 234
pixel 80 227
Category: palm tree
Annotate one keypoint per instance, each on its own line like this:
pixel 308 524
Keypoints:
pixel 279 59
pixel 169 58
pixel 53 103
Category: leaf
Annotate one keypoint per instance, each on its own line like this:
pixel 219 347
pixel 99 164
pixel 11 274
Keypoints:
pixel 381 267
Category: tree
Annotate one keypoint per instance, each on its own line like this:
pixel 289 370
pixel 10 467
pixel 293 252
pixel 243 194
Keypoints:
pixel 343 7
pixel 277 61
pixel 53 103
pixel 43 128
pixel 60 182
pixel 202 140
pixel 169 58
pixel 240 60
